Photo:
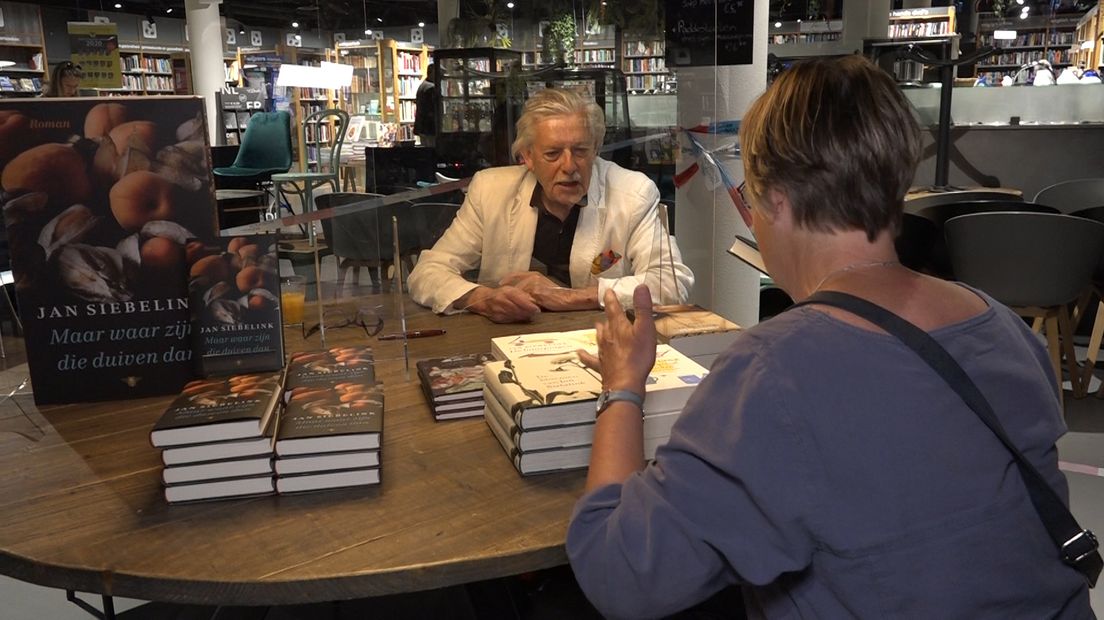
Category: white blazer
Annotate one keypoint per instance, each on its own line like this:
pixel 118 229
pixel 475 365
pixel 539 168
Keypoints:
pixel 493 232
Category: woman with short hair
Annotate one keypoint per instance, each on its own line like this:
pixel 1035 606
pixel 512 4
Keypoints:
pixel 822 466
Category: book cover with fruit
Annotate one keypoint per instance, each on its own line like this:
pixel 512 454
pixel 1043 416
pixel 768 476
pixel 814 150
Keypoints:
pixel 99 200
pixel 325 368
pixel 234 296
pixel 346 417
pixel 220 409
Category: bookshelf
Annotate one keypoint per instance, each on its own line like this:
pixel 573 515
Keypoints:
pixel 1086 41
pixel 236 105
pixel 362 99
pixel 932 29
pixel 643 62
pixel 402 68
pixel 597 49
pixel 232 70
pixel 307 101
pixel 22 44
pixel 145 71
pixel 922 23
pixel 1038 37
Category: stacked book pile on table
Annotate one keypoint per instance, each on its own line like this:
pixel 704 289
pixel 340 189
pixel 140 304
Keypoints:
pixel 694 331
pixel 216 437
pixel 322 419
pixel 540 398
pixel 330 433
pixel 453 386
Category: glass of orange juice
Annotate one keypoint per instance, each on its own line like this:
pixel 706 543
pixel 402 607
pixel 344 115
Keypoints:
pixel 293 296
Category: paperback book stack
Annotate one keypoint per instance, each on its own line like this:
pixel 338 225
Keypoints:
pixel 696 332
pixel 453 386
pixel 330 432
pixel 216 438
pixel 541 408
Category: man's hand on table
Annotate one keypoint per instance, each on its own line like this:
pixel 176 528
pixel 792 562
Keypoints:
pixel 551 296
pixel 505 304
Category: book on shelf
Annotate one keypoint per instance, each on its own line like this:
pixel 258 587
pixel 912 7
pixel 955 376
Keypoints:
pixel 220 489
pixel 325 367
pixel 327 462
pixel 219 409
pixel 693 330
pixel 555 390
pixel 453 386
pixel 219 451
pixel 25 84
pixel 342 418
pixel 229 120
pixel 543 343
pixel 243 119
pixel 656 425
pixel 234 300
pixel 555 459
pixel 6 83
pixel 327 480
pixel 234 468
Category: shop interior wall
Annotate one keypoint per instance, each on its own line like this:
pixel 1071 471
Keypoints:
pixel 1024 158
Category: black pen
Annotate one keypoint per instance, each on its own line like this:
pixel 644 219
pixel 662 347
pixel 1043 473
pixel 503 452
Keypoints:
pixel 415 333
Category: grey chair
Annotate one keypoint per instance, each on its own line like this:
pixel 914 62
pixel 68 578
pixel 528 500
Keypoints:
pixel 1073 196
pixel 365 238
pixel 939 262
pixel 323 136
pixel 1035 263
pixel 972 195
pixel 1096 214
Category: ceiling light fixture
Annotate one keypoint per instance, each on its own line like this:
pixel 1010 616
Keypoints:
pixel 379 19
pixel 118 5
pixel 241 28
pixel 509 5
pixel 368 31
pixel 421 24
pixel 168 11
pixel 294 24
pixel 777 24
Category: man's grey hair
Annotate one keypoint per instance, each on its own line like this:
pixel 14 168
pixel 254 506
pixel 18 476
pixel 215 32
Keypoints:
pixel 553 102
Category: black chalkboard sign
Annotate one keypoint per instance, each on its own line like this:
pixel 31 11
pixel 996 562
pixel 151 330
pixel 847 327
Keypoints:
pixel 703 33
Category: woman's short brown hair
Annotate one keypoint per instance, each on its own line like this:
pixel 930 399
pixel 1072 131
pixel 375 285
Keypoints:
pixel 838 138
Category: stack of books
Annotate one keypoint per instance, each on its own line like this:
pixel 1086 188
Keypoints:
pixel 541 407
pixel 216 438
pixel 453 386
pixel 331 430
pixel 695 331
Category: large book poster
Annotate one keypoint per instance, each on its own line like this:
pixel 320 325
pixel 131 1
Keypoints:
pixel 100 200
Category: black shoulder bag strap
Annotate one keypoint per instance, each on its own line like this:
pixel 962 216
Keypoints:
pixel 1077 545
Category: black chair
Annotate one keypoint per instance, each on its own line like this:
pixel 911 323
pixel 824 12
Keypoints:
pixel 971 195
pixel 1035 263
pixel 365 238
pixel 433 219
pixel 915 241
pixel 1073 196
pixel 939 262
pixel 1097 215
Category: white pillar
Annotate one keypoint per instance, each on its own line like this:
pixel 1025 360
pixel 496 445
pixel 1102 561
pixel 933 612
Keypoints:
pixel 205 42
pixel 722 282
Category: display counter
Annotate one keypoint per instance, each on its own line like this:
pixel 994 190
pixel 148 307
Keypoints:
pixel 1023 137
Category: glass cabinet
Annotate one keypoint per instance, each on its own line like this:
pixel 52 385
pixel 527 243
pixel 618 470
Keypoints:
pixel 476 109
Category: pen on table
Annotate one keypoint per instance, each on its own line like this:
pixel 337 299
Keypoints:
pixel 414 333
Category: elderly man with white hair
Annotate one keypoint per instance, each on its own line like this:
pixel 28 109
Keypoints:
pixel 555 232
